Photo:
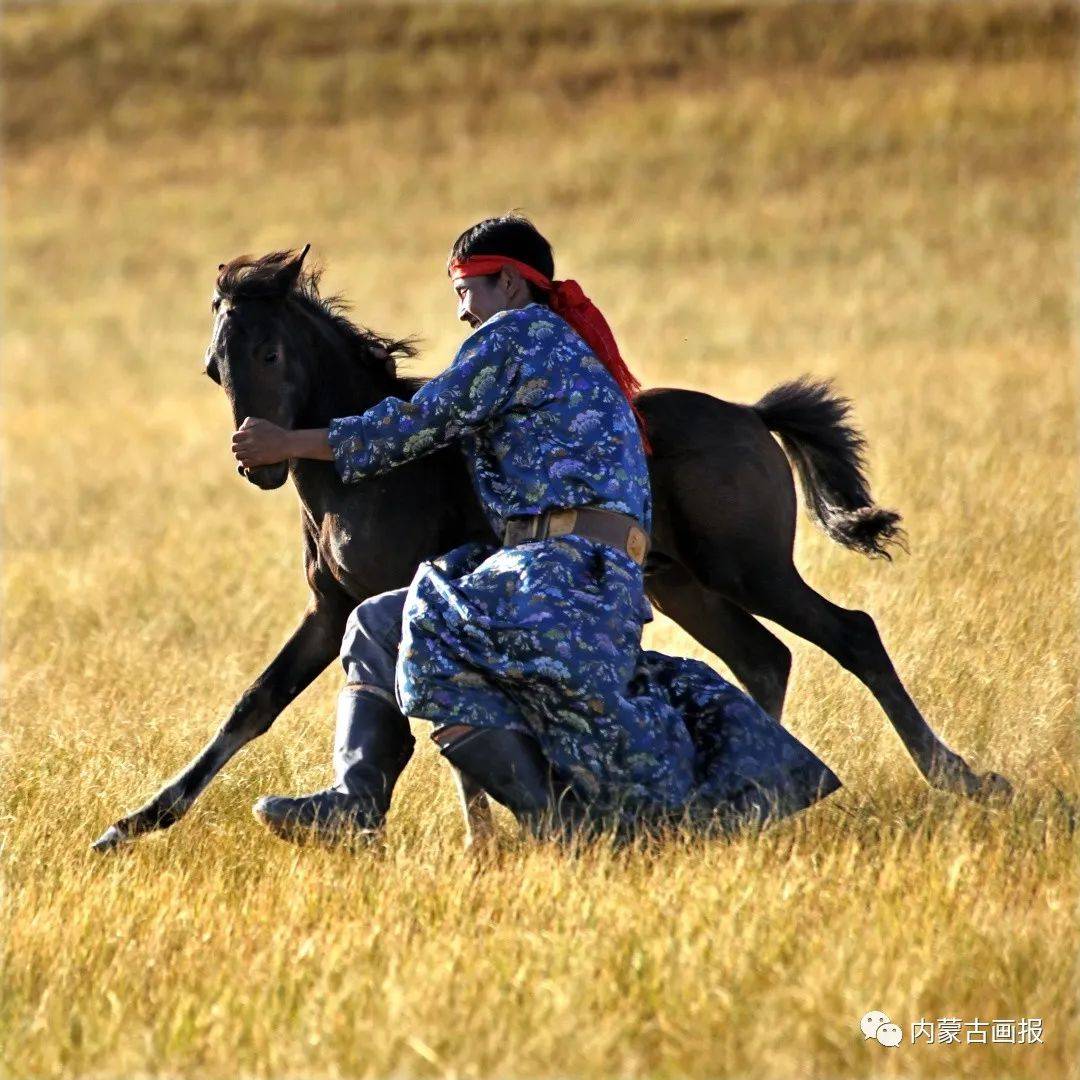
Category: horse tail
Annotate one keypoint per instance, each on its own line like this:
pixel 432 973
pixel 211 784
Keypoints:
pixel 829 454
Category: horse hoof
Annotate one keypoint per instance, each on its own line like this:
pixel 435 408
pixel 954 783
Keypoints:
pixel 952 774
pixel 109 840
pixel 993 785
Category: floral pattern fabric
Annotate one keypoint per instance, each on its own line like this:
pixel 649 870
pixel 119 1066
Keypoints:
pixel 545 637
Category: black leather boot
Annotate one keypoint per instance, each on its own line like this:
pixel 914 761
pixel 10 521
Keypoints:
pixel 512 769
pixel 372 745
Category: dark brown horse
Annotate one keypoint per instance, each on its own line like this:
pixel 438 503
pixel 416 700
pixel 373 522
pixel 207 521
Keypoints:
pixel 724 517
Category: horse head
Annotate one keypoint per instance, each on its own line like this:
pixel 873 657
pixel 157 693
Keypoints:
pixel 252 353
pixel 283 353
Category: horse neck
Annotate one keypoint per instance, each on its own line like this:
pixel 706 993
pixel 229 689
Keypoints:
pixel 343 379
pixel 340 382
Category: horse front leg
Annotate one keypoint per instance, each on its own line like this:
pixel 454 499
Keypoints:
pixel 312 646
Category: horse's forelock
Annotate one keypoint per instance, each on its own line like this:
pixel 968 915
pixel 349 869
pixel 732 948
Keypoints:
pixel 265 278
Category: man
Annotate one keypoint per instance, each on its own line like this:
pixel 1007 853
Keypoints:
pixel 528 657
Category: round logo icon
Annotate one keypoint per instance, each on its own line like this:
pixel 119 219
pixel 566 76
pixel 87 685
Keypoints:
pixel 876 1025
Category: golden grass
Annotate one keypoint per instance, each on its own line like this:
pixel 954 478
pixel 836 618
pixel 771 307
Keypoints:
pixel 879 192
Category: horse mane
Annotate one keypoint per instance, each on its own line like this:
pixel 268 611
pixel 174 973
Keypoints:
pixel 281 276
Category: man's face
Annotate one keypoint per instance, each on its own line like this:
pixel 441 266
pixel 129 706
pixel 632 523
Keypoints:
pixel 480 297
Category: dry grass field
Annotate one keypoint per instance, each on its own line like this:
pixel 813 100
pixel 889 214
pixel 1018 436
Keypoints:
pixel 883 193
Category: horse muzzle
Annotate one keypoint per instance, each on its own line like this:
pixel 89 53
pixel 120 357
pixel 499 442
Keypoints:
pixel 266 477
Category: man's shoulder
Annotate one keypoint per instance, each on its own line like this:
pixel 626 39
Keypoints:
pixel 528 332
pixel 541 329
pixel 515 326
pixel 523 317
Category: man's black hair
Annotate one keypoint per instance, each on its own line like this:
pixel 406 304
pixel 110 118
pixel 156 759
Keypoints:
pixel 513 235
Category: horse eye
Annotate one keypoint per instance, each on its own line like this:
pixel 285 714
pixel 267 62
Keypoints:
pixel 271 357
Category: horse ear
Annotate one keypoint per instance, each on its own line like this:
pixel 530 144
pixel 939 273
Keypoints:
pixel 288 275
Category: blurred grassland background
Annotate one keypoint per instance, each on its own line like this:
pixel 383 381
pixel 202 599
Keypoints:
pixel 880 192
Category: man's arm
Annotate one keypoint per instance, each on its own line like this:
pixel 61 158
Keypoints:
pixel 310 443
pixel 480 384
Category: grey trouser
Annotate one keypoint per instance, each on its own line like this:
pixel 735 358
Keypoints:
pixel 369 652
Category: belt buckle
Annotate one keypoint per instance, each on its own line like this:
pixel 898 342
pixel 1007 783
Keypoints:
pixel 561 522
pixel 518 530
pixel 637 544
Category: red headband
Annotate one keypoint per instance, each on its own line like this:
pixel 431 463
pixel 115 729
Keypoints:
pixel 568 301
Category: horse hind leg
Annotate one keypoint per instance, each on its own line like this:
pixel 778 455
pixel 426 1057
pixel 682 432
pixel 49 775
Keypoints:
pixel 756 657
pixel 479 820
pixel 852 639
pixel 472 798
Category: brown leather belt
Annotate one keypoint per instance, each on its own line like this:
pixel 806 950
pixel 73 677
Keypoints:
pixel 608 526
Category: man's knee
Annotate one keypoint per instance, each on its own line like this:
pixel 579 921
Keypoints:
pixel 373 633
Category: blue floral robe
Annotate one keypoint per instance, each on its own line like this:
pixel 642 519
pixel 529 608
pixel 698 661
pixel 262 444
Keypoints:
pixel 545 637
